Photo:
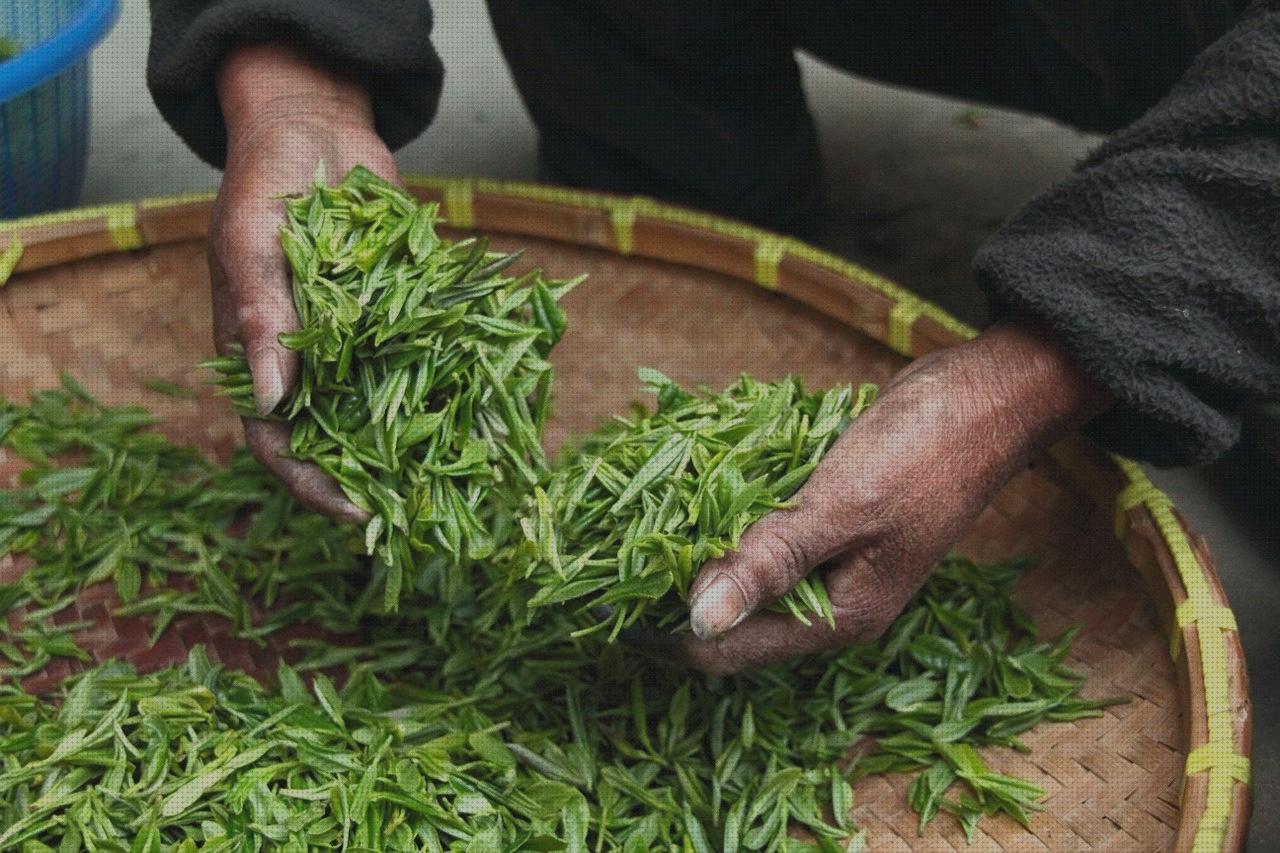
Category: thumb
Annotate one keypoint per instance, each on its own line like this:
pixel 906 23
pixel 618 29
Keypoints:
pixel 775 553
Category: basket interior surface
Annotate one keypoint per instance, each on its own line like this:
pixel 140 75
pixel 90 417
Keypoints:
pixel 1112 783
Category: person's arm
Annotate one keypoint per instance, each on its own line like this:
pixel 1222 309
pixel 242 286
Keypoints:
pixel 382 45
pixel 1153 274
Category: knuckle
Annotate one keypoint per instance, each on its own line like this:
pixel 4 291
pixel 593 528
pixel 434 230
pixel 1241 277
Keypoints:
pixel 231 229
pixel 261 320
pixel 781 558
pixel 887 532
pixel 263 314
pixel 242 231
pixel 226 326
pixel 867 594
pixel 319 500
pixel 253 267
pixel 268 458
pixel 865 621
pixel 245 266
pixel 263 443
pixel 883 571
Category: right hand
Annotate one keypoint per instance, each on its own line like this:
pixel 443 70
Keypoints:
pixel 284 116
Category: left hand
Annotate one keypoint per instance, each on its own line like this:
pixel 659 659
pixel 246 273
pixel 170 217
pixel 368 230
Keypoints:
pixel 285 113
pixel 901 485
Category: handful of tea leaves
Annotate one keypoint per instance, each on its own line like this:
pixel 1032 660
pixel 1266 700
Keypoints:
pixel 424 382
pixel 629 518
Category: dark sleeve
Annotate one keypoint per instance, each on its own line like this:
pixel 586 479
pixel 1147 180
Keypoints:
pixel 384 43
pixel 1157 261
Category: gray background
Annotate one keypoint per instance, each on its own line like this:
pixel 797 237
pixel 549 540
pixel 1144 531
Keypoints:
pixel 916 183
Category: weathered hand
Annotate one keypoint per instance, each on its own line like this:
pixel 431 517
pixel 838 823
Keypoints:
pixel 284 116
pixel 894 493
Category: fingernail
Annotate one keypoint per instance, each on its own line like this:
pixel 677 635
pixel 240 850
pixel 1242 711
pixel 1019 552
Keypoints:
pixel 720 607
pixel 268 381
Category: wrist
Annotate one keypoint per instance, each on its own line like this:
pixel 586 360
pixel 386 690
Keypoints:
pixel 1030 382
pixel 260 83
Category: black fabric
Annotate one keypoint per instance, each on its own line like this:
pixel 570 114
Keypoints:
pixel 701 103
pixel 384 43
pixel 1133 50
pixel 696 103
pixel 1157 262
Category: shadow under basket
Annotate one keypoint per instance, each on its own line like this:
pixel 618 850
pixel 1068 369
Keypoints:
pixel 119 295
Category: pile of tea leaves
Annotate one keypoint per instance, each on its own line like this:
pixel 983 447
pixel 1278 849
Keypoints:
pixel 424 383
pixel 503 733
pixel 103 498
pixel 627 519
pixel 467 696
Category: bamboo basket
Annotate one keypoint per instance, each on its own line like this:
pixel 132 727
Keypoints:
pixel 118 295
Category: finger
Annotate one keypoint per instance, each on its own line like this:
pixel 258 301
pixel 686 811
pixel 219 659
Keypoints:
pixel 851 500
pixel 311 487
pixel 774 554
pixel 254 275
pixel 867 590
pixel 762 640
pixel 226 327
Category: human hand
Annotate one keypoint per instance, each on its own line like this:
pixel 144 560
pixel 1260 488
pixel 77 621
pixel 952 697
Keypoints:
pixel 901 485
pixel 284 116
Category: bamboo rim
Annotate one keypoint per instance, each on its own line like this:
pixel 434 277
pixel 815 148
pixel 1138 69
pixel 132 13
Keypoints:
pixel 1203 636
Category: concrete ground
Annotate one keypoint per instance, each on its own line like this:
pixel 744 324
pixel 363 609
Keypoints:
pixel 917 182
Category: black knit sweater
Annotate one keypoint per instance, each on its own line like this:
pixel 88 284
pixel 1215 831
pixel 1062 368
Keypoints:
pixel 1156 262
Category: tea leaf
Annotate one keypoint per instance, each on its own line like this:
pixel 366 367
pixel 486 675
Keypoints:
pixel 420 321
pixel 655 496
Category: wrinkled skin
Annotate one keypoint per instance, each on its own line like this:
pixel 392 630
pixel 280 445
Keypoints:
pixel 284 117
pixel 894 493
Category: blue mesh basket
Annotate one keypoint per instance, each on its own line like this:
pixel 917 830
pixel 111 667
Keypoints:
pixel 44 100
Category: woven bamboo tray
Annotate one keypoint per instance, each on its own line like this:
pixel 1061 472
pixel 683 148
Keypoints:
pixel 119 295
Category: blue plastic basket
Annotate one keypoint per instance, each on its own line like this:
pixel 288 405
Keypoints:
pixel 44 100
